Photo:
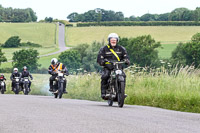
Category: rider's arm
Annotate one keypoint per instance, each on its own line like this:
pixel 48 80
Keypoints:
pixel 100 57
pixel 125 56
pixel 65 70
pixel 50 70
pixel 11 77
pixel 30 75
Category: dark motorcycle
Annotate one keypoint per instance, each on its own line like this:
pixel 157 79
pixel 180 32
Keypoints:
pixel 116 89
pixel 16 88
pixel 26 89
pixel 58 85
pixel 2 86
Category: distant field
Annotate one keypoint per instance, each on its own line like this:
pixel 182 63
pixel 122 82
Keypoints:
pixel 41 33
pixel 164 34
pixel 166 50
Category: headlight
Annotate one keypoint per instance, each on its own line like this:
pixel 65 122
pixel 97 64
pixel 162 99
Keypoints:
pixel 2 84
pixel 60 74
pixel 118 72
pixel 17 80
pixel 25 79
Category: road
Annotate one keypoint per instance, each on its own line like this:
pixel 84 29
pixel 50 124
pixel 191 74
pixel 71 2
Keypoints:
pixel 44 114
pixel 61 41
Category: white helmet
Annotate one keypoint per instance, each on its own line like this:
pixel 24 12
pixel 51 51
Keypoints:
pixel 15 69
pixel 54 61
pixel 113 35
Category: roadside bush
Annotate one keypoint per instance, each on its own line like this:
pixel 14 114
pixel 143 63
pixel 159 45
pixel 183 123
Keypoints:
pixel 71 59
pixel 142 50
pixel 139 23
pixel 26 57
pixel 12 42
pixel 30 44
pixel 188 53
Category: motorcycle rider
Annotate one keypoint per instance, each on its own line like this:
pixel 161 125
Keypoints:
pixel 2 78
pixel 53 69
pixel 26 73
pixel 14 74
pixel 110 52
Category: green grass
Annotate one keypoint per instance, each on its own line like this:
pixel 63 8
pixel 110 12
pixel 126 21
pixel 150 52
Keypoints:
pixel 166 50
pixel 157 89
pixel 40 33
pixel 164 34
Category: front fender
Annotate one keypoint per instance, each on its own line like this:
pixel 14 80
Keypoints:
pixel 121 78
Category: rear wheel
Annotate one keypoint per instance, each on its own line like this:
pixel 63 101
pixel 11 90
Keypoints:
pixel 121 94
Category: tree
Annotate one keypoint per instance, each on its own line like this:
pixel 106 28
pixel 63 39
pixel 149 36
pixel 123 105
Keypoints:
pixel 26 57
pixel 90 60
pixel 177 14
pixel 71 59
pixel 141 50
pixel 48 19
pixel 72 17
pixel 188 53
pixel 2 57
pixel 82 50
pixel 12 42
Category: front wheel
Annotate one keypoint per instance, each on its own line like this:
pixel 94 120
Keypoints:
pixel 110 102
pixel 120 94
pixel 60 91
pixel 2 89
pixel 17 89
pixel 26 89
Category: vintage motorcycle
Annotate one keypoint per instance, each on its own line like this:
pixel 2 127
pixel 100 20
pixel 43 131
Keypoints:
pixel 16 88
pixel 116 88
pixel 2 86
pixel 58 84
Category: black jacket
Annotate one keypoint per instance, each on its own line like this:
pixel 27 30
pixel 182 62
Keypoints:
pixel 105 53
pixel 26 74
pixel 13 75
pixel 51 70
pixel 2 78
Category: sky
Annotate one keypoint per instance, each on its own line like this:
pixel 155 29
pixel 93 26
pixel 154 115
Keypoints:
pixel 60 9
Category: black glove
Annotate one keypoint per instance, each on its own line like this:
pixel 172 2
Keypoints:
pixel 127 62
pixel 53 73
pixel 31 78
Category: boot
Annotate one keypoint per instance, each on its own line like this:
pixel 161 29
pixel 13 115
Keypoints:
pixel 64 91
pixel 51 88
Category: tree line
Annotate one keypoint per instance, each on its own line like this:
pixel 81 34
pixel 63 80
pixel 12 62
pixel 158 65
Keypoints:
pixel 98 15
pixel 17 15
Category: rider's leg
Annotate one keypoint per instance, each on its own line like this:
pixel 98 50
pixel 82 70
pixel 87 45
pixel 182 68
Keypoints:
pixel 104 82
pixel 51 79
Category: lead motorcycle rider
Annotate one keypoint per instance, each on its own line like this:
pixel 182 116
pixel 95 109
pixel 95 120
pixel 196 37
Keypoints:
pixel 53 68
pixel 111 52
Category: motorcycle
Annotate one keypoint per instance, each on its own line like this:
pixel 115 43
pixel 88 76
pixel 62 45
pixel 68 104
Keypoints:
pixel 116 88
pixel 26 89
pixel 2 87
pixel 16 88
pixel 58 84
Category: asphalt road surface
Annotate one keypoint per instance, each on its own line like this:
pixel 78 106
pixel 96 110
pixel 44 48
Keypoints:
pixel 40 114
pixel 61 41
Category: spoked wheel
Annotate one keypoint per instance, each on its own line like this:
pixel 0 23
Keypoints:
pixel 120 94
pixel 60 91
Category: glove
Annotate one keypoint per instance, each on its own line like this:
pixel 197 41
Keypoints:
pixel 53 73
pixel 127 62
pixel 31 78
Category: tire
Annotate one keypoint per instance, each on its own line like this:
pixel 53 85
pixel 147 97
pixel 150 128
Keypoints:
pixel 110 102
pixel 121 94
pixel 60 91
pixel 55 95
pixel 2 90
pixel 17 89
pixel 26 89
